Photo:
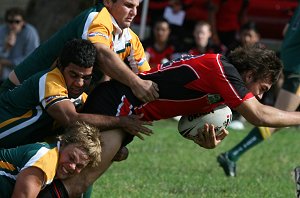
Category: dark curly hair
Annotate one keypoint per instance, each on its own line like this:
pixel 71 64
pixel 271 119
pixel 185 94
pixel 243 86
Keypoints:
pixel 264 63
pixel 78 51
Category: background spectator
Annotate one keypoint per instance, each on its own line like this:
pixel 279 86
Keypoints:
pixel 175 15
pixel 159 49
pixel 17 40
pixel 202 36
pixel 249 35
pixel 226 16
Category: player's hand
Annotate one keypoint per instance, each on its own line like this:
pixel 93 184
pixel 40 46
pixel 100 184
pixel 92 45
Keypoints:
pixel 133 125
pixel 207 137
pixel 145 90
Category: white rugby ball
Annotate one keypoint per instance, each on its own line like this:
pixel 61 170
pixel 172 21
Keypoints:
pixel 220 117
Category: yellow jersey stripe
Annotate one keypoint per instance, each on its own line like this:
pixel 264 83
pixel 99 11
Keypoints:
pixel 28 114
pixel 23 124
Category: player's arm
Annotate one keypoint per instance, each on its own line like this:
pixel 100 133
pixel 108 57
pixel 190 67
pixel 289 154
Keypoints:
pixel 65 113
pixel 262 115
pixel 29 183
pixel 114 67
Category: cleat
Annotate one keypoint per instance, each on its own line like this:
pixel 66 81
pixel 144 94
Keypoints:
pixel 228 165
pixel 121 155
pixel 297 181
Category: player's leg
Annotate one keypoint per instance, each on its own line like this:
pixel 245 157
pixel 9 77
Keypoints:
pixel 112 141
pixel 228 159
pixel 54 190
pixel 288 99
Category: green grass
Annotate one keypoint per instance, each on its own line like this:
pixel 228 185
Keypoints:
pixel 167 165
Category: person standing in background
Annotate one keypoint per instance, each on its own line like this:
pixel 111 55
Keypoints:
pixel 160 49
pixel 17 40
pixel 226 17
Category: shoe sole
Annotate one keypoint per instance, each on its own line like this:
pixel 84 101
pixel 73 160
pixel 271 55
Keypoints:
pixel 223 164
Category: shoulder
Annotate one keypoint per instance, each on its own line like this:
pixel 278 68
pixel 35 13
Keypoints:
pixel 133 35
pixel 54 75
pixel 30 28
pixel 30 31
pixel 3 30
pixel 3 27
pixel 52 83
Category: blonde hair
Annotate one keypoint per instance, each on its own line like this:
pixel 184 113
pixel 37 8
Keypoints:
pixel 86 137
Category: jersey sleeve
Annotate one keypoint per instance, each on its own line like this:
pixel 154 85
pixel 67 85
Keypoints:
pixel 52 88
pixel 45 159
pixel 231 85
pixel 101 28
pixel 217 76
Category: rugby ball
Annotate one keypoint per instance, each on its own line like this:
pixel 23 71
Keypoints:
pixel 220 117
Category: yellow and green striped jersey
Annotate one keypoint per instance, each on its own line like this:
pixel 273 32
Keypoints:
pixel 23 115
pixel 40 155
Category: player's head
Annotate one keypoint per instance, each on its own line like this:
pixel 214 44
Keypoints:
pixel 15 19
pixel 76 63
pixel 161 30
pixel 259 68
pixel 249 34
pixel 123 11
pixel 202 33
pixel 80 146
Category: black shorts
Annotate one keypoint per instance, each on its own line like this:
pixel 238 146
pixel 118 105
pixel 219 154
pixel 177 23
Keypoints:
pixel 291 82
pixel 54 190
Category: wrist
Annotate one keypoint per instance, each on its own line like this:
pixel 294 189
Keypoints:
pixel 136 81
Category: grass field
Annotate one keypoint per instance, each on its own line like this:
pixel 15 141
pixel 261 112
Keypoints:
pixel 167 165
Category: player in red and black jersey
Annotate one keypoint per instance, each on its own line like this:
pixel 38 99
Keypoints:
pixel 190 84
pixel 193 84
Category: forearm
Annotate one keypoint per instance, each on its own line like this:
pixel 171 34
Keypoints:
pixel 113 66
pixel 263 115
pixel 103 122
pixel 65 114
pixel 273 117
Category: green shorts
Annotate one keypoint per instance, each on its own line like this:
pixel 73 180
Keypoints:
pixel 291 82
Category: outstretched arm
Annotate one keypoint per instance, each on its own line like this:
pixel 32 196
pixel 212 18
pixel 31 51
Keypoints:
pixel 262 115
pixel 29 183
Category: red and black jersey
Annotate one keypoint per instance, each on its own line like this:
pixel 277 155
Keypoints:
pixel 156 56
pixel 190 84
